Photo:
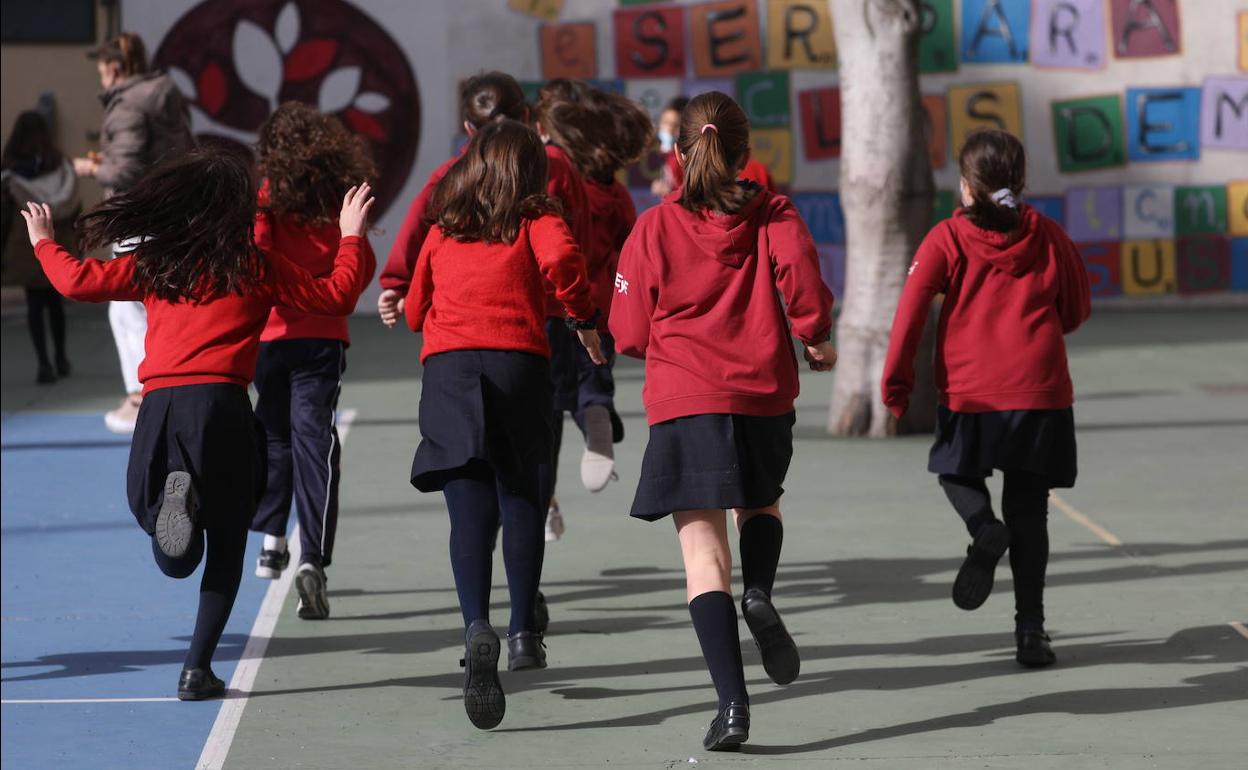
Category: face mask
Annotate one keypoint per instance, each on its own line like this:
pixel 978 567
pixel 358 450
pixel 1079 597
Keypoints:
pixel 666 140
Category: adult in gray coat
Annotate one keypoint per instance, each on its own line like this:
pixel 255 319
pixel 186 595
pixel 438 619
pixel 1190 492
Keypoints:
pixel 146 120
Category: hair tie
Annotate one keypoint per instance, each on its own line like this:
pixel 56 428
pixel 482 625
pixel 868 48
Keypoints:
pixel 710 127
pixel 1005 197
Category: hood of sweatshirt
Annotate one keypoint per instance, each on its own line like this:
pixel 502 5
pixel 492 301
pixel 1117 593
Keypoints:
pixel 726 238
pixel 1013 253
pixel 58 188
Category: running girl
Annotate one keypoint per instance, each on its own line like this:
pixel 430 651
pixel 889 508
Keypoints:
pixel 196 463
pixel 711 283
pixel 1013 285
pixel 307 161
pixel 485 400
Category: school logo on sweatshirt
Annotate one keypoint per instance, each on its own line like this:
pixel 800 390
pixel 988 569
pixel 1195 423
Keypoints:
pixel 236 60
pixel 621 284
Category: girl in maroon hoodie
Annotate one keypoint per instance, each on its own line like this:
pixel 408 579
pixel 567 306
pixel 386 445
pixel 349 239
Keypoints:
pixel 196 462
pixel 478 296
pixel 712 285
pixel 1014 284
pixel 307 160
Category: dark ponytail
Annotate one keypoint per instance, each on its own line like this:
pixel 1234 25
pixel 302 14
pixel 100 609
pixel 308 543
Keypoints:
pixel 491 96
pixel 714 138
pixel 994 165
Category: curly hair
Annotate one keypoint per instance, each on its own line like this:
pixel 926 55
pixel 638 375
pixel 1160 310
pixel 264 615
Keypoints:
pixel 310 161
pixel 194 216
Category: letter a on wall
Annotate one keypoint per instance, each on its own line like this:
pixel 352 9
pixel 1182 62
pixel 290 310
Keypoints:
pixel 650 42
pixel 1068 34
pixel 1088 133
pixel 986 105
pixel 725 38
pixel 568 51
pixel 799 35
pixel 995 31
pixel 1145 28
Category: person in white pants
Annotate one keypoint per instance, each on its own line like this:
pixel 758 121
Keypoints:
pixel 129 324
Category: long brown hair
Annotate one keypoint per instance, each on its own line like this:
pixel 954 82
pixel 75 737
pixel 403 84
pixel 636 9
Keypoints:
pixel 993 160
pixel 601 132
pixel 491 96
pixel 714 138
pixel 194 217
pixel 310 161
pixel 500 180
pixel 127 51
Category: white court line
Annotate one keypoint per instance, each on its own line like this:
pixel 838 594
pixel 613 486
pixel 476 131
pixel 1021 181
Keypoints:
pixel 7 701
pixel 1240 627
pixel 1074 515
pixel 231 714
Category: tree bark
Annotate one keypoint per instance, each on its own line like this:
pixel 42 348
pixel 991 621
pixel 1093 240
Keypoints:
pixel 887 193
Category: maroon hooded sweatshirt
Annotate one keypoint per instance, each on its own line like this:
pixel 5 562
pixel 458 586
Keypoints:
pixel 708 300
pixel 1009 299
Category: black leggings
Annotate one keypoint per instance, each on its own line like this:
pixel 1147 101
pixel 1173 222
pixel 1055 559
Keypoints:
pixel 39 301
pixel 223 571
pixel 478 503
pixel 1025 508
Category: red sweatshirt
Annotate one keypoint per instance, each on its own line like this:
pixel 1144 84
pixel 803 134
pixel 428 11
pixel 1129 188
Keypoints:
pixel 490 296
pixel 215 341
pixel 397 273
pixel 1007 304
pixel 565 184
pixel 613 213
pixel 754 171
pixel 312 247
pixel 704 298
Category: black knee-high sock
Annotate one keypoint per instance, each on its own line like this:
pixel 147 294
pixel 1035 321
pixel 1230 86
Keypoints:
pixel 473 506
pixel 969 496
pixel 524 545
pixel 761 538
pixel 1024 505
pixel 715 622
pixel 56 322
pixel 223 571
pixel 36 301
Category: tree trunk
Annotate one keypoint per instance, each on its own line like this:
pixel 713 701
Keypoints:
pixel 887 192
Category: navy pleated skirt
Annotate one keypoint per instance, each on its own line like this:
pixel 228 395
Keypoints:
pixel 209 431
pixel 714 461
pixel 493 406
pixel 1039 441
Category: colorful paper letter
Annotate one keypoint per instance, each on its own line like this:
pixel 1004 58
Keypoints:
pixel 1224 113
pixel 1237 207
pixel 725 37
pixel 773 147
pixel 1145 27
pixel 765 97
pixel 995 30
pixel 1068 34
pixel 1094 214
pixel 546 10
pixel 1104 264
pixel 1088 133
pixel 1148 267
pixel 937 50
pixel 650 42
pixel 568 51
pixel 936 126
pixel 1199 210
pixel 985 105
pixel 1148 211
pixel 1204 264
pixel 799 35
pixel 821 123
pixel 822 214
pixel 1163 124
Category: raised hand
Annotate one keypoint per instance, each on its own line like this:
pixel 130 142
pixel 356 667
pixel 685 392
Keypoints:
pixel 355 207
pixel 38 218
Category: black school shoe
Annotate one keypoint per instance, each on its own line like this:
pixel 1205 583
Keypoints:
pixel 175 524
pixel 974 581
pixel 1034 650
pixel 484 700
pixel 780 658
pixel 729 729
pixel 311 583
pixel 525 651
pixel 199 684
pixel 541 613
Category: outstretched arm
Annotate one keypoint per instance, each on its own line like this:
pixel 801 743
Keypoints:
pixel 88 280
pixel 929 274
pixel 336 293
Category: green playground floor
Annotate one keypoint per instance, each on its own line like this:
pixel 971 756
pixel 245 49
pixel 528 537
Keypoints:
pixel 1148 577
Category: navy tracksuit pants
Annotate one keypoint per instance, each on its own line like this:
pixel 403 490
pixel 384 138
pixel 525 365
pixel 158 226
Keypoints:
pixel 299 381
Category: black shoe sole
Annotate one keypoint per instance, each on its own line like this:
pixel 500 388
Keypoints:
pixel 175 525
pixel 210 693
pixel 973 585
pixel 1035 660
pixel 525 662
pixel 484 700
pixel 730 740
pixel 311 587
pixel 781 660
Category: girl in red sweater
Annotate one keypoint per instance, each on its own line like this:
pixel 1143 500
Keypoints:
pixel 196 462
pixel 307 161
pixel 713 284
pixel 477 294
pixel 1014 284
pixel 601 133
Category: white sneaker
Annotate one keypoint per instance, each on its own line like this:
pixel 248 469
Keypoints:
pixel 598 462
pixel 123 418
pixel 554 523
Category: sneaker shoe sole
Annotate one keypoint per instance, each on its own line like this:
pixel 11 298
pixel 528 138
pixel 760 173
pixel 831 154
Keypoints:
pixel 313 604
pixel 973 584
pixel 484 701
pixel 781 660
pixel 597 470
pixel 268 573
pixel 175 524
